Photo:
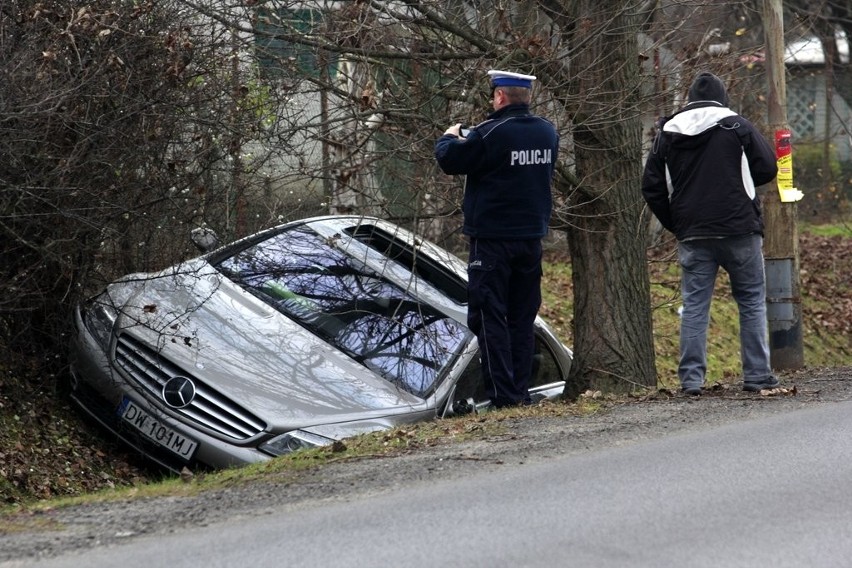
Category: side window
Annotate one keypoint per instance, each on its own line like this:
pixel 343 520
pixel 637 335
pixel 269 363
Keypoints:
pixel 544 372
pixel 429 269
pixel 470 384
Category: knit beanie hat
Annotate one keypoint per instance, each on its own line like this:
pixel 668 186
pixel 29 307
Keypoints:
pixel 708 87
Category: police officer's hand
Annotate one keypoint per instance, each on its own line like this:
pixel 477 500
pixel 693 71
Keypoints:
pixel 455 130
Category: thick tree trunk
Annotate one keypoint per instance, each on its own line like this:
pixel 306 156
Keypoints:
pixel 613 345
pixel 613 341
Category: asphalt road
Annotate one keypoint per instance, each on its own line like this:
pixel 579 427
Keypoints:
pixel 775 491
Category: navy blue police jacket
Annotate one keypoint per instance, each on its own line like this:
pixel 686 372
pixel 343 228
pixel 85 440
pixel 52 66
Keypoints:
pixel 509 162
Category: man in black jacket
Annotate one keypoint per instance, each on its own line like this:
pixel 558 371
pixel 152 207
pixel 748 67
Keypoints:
pixel 509 162
pixel 699 181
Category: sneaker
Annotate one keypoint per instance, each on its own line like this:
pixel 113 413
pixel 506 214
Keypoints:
pixel 692 391
pixel 770 382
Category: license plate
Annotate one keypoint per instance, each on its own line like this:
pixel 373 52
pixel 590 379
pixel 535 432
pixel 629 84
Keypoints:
pixel 155 430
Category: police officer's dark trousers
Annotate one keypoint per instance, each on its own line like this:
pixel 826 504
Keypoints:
pixel 504 295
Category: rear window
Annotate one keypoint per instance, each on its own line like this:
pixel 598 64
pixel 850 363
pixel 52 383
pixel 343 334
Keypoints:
pixel 350 306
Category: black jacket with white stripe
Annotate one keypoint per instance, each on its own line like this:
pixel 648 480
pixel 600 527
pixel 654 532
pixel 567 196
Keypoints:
pixel 701 173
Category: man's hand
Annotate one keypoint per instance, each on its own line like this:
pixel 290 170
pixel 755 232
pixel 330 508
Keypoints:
pixel 455 130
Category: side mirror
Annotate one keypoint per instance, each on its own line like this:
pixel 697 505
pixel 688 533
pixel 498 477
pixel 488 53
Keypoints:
pixel 204 239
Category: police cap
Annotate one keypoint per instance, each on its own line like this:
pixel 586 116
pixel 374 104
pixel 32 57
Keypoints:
pixel 510 79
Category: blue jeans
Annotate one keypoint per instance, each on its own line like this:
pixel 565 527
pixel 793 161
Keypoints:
pixel 742 259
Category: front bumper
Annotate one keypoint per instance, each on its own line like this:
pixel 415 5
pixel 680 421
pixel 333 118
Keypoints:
pixel 98 389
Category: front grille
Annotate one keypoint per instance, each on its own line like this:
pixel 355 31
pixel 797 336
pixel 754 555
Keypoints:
pixel 211 409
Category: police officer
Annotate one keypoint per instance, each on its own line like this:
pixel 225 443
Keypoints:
pixel 509 162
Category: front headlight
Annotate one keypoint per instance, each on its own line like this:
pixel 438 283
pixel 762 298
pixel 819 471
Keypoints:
pixel 99 318
pixel 292 441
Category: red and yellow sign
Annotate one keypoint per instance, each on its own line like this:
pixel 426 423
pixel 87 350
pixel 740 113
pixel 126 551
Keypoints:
pixel 784 155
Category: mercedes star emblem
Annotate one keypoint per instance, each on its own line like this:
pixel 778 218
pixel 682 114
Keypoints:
pixel 178 392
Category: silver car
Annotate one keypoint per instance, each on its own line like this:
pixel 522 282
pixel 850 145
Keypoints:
pixel 294 337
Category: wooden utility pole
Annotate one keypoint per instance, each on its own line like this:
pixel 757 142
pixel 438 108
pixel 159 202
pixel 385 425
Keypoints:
pixel 781 245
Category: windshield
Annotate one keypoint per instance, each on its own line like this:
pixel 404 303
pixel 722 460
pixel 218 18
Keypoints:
pixel 350 306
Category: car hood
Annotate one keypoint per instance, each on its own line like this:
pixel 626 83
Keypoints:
pixel 230 341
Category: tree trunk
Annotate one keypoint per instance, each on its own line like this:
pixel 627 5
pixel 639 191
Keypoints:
pixel 613 340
